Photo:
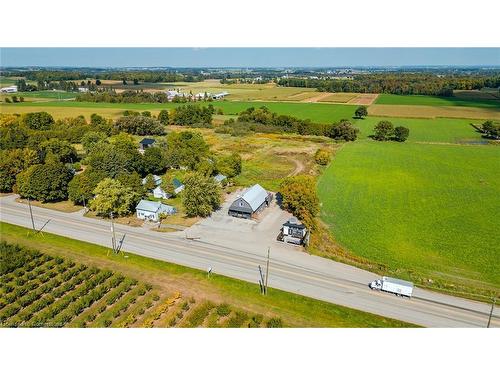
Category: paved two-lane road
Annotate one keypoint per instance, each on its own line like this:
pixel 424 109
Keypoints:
pixel 290 270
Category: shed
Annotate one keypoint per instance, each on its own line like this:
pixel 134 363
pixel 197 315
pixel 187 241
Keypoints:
pixel 219 178
pixel 178 185
pixel 158 192
pixel 252 201
pixel 146 143
pixel 149 210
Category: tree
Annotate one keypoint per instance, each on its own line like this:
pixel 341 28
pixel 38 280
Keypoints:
pixel 401 133
pixel 81 187
pixel 298 194
pixel 384 130
pixel 149 184
pixel 491 129
pixel 12 134
pixel 192 114
pixel 44 182
pixel 108 159
pixel 322 157
pixel 56 149
pixel 37 120
pixel 163 117
pixel 230 165
pixel 201 195
pixel 98 82
pixel 91 139
pixel 154 160
pixel 13 162
pixel 139 125
pixel 185 149
pixel 146 113
pixel 112 197
pixel 361 112
pixel 343 131
pixel 134 182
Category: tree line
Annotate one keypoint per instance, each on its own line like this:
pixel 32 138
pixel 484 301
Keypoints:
pixel 262 120
pixel 401 83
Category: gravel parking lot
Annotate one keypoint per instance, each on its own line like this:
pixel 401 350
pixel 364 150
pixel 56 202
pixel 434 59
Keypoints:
pixel 245 234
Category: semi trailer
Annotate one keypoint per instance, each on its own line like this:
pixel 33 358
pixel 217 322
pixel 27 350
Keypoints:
pixel 392 285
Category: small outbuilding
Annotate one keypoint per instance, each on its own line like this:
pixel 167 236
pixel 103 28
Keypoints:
pixel 254 200
pixel 178 185
pixel 146 143
pixel 293 231
pixel 158 192
pixel 149 210
pixel 220 178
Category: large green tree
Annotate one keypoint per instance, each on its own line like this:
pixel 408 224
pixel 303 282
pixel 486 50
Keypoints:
pixel 60 150
pixel 401 133
pixel 163 117
pixel 44 182
pixel 383 131
pixel 361 112
pixel 298 196
pixel 343 131
pixel 112 197
pixel 91 139
pixel 13 162
pixel 37 120
pixel 229 165
pixel 140 125
pixel 81 187
pixel 186 149
pixel 201 195
pixel 154 160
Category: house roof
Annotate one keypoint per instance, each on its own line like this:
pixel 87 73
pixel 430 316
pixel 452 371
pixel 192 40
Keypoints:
pixel 255 196
pixel 294 223
pixel 151 206
pixel 219 177
pixel 147 141
pixel 176 183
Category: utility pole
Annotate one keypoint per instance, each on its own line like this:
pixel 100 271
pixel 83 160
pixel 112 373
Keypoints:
pixel 113 239
pixel 491 312
pixel 267 270
pixel 31 214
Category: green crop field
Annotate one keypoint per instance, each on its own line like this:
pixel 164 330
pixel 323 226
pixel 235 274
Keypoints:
pixel 428 130
pixel 436 101
pixel 317 112
pixel 425 208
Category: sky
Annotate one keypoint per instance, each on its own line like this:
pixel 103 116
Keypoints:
pixel 246 57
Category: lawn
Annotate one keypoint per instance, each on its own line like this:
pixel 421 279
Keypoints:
pixel 428 100
pixel 423 208
pixel 243 298
pixel 316 112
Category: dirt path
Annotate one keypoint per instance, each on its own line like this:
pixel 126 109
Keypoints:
pixel 316 98
pixel 299 167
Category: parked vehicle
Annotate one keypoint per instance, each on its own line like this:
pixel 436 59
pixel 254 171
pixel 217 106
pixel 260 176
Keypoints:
pixel 391 285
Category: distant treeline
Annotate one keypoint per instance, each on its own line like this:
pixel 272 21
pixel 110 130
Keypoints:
pixel 128 75
pixel 401 83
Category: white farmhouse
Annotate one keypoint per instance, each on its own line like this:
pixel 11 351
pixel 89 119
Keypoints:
pixel 149 210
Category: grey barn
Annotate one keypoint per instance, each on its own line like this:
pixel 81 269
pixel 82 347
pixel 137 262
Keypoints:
pixel 252 201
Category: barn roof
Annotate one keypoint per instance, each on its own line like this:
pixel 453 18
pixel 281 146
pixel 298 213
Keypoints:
pixel 255 196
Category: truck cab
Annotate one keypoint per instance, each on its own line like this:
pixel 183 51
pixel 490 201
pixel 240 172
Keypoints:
pixel 376 284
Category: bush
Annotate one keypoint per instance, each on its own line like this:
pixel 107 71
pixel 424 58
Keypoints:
pixel 401 133
pixel 255 321
pixel 322 157
pixel 223 309
pixel 237 320
pixel 274 323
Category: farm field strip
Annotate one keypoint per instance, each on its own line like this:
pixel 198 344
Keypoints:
pixel 427 111
pixel 424 210
pixel 428 100
pixel 318 112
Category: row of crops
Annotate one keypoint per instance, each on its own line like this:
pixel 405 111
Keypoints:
pixel 38 290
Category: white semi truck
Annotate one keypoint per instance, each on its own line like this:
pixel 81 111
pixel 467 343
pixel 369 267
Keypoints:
pixel 391 285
